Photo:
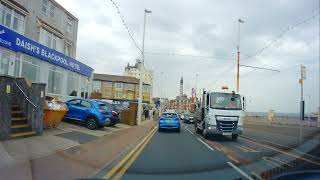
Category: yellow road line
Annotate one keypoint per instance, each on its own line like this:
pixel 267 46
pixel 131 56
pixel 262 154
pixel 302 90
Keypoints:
pixel 115 168
pixel 133 158
pixel 283 152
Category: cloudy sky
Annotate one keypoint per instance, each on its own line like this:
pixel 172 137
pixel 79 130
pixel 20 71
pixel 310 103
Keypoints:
pixel 209 28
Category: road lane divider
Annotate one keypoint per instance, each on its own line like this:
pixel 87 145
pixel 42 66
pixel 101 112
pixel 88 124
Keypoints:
pixel 133 158
pixel 240 171
pixel 125 159
pixel 199 139
pixel 281 151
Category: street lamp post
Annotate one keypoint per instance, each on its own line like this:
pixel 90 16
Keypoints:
pixel 139 113
pixel 238 55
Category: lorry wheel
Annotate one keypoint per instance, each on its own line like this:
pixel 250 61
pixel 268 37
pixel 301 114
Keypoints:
pixel 205 134
pixel 234 137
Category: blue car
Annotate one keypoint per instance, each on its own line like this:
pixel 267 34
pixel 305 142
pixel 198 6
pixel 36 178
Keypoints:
pixel 112 112
pixel 169 121
pixel 94 114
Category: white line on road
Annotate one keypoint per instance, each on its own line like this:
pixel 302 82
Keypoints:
pixel 200 139
pixel 189 130
pixel 240 171
pixel 205 144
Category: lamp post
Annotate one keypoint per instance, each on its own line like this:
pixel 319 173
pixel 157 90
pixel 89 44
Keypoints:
pixel 141 66
pixel 238 55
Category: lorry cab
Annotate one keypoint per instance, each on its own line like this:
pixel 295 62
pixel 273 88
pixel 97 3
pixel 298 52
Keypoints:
pixel 220 113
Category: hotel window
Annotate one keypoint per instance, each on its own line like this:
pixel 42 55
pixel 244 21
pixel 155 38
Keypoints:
pixel 12 18
pixel 72 84
pixel 69 26
pixel 52 10
pixel 118 94
pixel 119 85
pixel 30 68
pixel 50 40
pixel 55 80
pixel 45 6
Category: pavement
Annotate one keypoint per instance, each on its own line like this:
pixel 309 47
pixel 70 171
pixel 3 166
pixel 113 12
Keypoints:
pixel 67 152
pixel 261 152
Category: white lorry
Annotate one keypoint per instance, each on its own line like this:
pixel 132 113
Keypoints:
pixel 220 113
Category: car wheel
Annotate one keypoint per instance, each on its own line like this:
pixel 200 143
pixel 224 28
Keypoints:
pixel 234 137
pixel 91 123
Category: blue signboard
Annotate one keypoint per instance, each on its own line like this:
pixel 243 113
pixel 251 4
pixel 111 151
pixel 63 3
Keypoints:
pixel 18 43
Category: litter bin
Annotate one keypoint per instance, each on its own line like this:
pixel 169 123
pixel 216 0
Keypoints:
pixel 54 111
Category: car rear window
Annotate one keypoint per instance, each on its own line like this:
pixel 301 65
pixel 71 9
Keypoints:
pixel 170 115
pixel 104 107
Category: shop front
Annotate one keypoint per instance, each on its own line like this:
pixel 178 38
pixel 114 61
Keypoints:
pixel 22 57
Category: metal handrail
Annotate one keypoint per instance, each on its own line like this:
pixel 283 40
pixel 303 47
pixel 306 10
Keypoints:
pixel 25 95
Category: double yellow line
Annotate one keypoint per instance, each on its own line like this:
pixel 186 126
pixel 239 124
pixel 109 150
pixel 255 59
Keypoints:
pixel 129 158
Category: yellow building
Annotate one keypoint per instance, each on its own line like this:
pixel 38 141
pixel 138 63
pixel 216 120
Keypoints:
pixel 120 88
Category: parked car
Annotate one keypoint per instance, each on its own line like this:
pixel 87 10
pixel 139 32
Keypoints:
pixel 189 118
pixel 92 113
pixel 169 121
pixel 113 111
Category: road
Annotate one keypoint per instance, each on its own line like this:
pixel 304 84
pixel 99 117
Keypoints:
pixel 260 153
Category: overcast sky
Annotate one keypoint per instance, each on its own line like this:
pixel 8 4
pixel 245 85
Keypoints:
pixel 208 28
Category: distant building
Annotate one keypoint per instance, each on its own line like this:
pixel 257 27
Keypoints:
pixel 120 88
pixel 133 71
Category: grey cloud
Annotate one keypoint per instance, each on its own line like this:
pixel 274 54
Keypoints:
pixel 208 28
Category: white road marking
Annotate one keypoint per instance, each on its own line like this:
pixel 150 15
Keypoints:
pixel 189 130
pixel 200 140
pixel 240 171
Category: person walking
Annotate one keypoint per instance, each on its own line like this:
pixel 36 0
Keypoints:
pixel 146 114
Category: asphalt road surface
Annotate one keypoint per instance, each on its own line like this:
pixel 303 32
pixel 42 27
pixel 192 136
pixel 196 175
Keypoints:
pixel 262 152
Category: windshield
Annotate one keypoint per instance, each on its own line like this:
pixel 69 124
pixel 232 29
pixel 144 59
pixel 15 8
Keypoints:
pixel 169 115
pixel 225 101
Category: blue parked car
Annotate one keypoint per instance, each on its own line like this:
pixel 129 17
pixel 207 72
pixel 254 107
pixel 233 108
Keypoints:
pixel 169 121
pixel 112 112
pixel 92 113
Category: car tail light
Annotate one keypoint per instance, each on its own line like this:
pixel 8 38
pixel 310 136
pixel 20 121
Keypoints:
pixel 161 118
pixel 114 113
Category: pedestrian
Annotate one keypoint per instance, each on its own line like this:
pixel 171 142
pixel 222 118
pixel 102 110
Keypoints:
pixel 146 114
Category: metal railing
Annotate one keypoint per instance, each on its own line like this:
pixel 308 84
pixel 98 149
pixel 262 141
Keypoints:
pixel 24 94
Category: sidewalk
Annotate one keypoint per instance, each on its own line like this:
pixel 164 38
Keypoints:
pixel 67 152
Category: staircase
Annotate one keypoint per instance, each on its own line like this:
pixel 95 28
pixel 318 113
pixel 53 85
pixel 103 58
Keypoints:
pixel 19 123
